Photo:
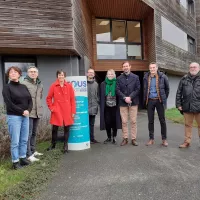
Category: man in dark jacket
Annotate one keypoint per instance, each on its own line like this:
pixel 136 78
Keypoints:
pixel 156 92
pixel 128 88
pixel 93 102
pixel 188 101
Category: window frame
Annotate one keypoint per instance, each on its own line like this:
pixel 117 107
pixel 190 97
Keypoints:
pixel 126 37
pixel 191 7
pixel 15 58
pixel 189 45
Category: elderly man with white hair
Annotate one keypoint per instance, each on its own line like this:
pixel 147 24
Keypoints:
pixel 188 101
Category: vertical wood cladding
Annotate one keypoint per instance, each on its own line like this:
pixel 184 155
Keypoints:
pixel 82 28
pixel 36 24
pixel 169 56
pixel 197 4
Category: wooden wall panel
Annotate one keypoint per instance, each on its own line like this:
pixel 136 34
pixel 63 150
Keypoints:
pixel 82 28
pixel 169 56
pixel 197 6
pixel 36 24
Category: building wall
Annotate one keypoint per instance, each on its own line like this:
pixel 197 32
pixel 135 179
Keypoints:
pixel 82 29
pixel 173 83
pixel 197 6
pixel 170 56
pixel 1 82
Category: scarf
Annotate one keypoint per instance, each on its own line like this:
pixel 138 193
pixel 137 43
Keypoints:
pixel 110 86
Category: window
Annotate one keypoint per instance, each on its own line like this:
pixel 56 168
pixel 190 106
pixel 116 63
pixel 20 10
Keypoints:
pixel 118 39
pixel 191 45
pixel 22 63
pixel 191 7
pixel 103 30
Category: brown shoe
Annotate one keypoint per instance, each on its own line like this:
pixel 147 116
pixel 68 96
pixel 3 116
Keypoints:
pixel 124 142
pixel 134 143
pixel 165 143
pixel 150 142
pixel 184 145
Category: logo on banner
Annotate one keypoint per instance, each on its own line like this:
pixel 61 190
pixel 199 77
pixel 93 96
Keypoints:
pixel 79 86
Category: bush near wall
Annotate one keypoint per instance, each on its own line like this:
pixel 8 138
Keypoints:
pixel 44 133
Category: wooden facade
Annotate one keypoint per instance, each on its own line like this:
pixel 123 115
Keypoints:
pixel 168 56
pixel 197 8
pixel 36 27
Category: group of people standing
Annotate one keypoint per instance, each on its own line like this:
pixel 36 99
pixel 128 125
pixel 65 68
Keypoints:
pixel 24 109
pixel 118 99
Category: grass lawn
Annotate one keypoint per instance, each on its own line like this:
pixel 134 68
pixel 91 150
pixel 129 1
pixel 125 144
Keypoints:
pixel 28 181
pixel 174 115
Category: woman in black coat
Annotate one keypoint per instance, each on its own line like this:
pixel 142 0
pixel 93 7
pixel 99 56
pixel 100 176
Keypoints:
pixel 109 109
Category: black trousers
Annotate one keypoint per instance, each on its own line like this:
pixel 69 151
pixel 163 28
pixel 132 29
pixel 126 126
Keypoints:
pixel 91 122
pixel 110 121
pixel 152 104
pixel 55 133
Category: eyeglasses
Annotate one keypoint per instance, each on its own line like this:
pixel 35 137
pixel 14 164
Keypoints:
pixel 32 72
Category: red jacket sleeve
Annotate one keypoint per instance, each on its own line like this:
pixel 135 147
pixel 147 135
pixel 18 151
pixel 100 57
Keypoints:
pixel 50 97
pixel 72 100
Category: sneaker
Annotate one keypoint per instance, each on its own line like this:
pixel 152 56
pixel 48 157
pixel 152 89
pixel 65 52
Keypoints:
pixel 108 140
pixel 16 166
pixel 114 140
pixel 32 159
pixel 24 162
pixel 37 154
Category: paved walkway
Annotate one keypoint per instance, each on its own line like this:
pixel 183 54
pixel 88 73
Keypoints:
pixel 111 172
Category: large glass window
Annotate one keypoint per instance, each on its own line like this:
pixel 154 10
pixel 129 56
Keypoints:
pixel 118 39
pixel 22 63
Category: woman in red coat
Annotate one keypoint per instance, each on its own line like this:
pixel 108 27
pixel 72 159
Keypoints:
pixel 61 103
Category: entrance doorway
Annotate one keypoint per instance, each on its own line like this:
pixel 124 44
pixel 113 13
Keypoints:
pixel 100 77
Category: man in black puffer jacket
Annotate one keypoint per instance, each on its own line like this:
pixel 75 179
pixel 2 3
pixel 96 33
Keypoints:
pixel 156 92
pixel 188 101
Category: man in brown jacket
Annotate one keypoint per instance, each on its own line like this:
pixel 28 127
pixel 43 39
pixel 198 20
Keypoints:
pixel 35 88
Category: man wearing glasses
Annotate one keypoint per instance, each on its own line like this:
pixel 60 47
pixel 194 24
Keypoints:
pixel 35 88
pixel 188 101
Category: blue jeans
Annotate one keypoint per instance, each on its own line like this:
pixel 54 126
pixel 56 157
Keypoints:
pixel 18 127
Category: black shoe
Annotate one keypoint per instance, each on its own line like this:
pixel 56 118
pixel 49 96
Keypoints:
pixel 114 140
pixel 107 140
pixel 16 166
pixel 65 148
pixel 24 162
pixel 53 146
pixel 93 141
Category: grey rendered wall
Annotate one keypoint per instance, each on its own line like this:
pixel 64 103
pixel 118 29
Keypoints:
pixel 1 82
pixel 48 65
pixel 173 83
